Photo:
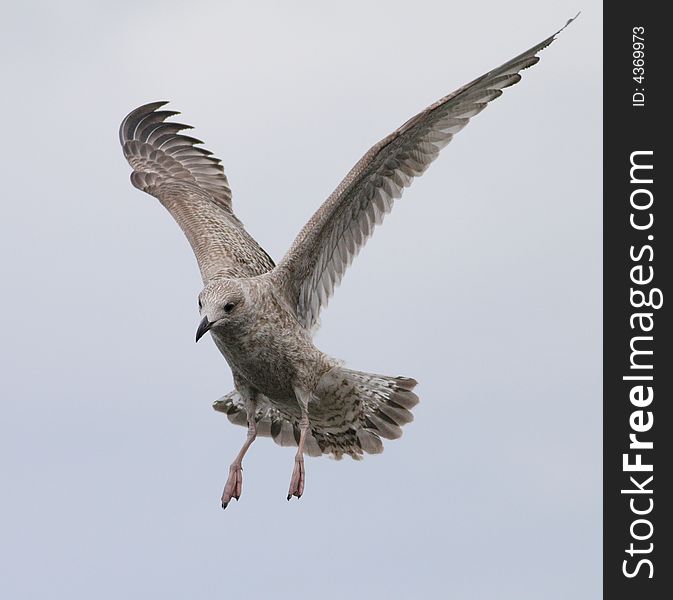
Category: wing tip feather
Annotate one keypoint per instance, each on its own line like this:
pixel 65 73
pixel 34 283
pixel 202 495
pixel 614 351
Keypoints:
pixel 132 120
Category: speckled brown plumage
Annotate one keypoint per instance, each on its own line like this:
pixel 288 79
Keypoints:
pixel 260 316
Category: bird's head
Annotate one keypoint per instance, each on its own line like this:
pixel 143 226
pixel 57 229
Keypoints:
pixel 221 305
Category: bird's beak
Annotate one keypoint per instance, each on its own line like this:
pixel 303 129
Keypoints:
pixel 204 326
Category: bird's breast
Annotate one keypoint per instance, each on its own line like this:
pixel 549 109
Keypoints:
pixel 270 360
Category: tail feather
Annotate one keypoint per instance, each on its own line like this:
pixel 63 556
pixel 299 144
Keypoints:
pixel 353 411
pixel 387 402
pixel 369 441
pixel 270 422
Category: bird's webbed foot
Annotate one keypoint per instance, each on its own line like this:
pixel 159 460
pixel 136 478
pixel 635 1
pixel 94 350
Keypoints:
pixel 234 485
pixel 297 481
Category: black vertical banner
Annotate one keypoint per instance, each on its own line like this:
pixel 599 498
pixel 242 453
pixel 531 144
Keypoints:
pixel 638 228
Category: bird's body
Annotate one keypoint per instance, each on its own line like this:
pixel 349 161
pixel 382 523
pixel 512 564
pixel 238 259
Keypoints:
pixel 261 315
pixel 270 351
pixel 271 356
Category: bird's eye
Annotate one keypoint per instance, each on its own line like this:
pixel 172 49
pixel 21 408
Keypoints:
pixel 228 307
pixel 200 305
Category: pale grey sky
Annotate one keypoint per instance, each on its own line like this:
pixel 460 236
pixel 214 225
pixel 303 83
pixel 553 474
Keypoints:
pixel 484 284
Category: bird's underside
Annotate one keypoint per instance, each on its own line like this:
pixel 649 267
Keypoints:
pixel 261 315
pixel 354 412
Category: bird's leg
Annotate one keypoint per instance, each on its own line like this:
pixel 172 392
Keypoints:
pixel 234 485
pixel 297 481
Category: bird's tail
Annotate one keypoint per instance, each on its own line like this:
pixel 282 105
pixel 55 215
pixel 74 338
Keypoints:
pixel 352 412
pixel 382 405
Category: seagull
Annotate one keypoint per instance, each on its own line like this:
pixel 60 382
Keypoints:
pixel 262 315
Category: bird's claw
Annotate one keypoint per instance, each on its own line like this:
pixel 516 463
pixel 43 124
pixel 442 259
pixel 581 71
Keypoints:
pixel 234 485
pixel 297 481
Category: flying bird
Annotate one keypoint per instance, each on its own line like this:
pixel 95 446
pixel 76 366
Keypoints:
pixel 260 315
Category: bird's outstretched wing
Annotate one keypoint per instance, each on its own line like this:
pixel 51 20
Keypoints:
pixel 191 184
pixel 330 240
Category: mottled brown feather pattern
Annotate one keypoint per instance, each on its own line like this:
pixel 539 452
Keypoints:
pixel 191 184
pixel 267 337
pixel 333 236
pixel 354 412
